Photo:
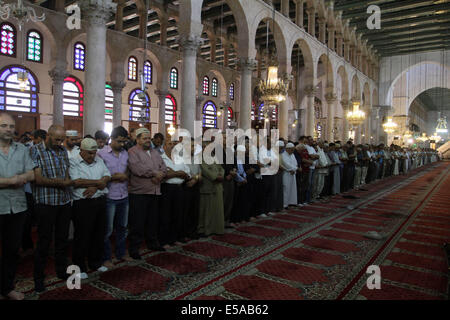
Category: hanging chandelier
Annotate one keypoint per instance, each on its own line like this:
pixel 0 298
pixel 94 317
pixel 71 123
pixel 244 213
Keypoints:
pixel 356 116
pixel 20 12
pixel 442 125
pixel 407 134
pixel 423 138
pixel 435 137
pixel 171 130
pixel 390 126
pixel 273 89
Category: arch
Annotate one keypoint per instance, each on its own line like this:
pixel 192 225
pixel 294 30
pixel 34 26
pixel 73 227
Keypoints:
pixel 132 68
pixel 12 97
pixel 73 97
pixel 366 98
pixel 79 56
pixel 205 86
pixel 35 46
pixel 308 60
pixel 326 71
pixel 214 87
pixel 209 115
pixel 8 44
pixel 356 88
pixel 170 107
pixel 344 83
pixel 136 105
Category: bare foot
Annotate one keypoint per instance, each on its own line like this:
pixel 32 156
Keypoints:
pixel 167 247
pixel 127 258
pixel 15 295
pixel 108 264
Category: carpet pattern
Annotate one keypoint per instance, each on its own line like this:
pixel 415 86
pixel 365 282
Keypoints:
pixel 312 252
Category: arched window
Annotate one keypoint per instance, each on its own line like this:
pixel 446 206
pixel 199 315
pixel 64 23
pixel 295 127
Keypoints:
pixel 214 87
pixel 79 53
pixel 253 110
pixel 230 116
pixel 8 39
pixel 35 44
pixel 206 86
pixel 260 115
pixel 209 115
pixel 109 105
pixel 170 110
pixel 174 78
pixel 232 91
pixel 12 98
pixel 136 106
pixel 148 72
pixel 132 69
pixel 73 96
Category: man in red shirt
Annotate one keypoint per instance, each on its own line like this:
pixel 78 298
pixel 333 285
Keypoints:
pixel 306 162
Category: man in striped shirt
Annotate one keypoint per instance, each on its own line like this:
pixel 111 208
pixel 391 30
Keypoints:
pixel 53 203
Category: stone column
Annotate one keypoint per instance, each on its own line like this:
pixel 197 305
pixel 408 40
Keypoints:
pixel 190 44
pixel 331 31
pixel 164 23
pixel 347 50
pixel 117 88
pixel 283 114
pixel 162 110
pixel 212 42
pixel 311 11
pixel 299 12
pixel 322 30
pixel 331 99
pixel 368 126
pixel 58 76
pixel 97 13
pixel 310 93
pixel 339 43
pixel 246 66
pixel 346 127
pixel 285 8
pixel 359 59
pixel 119 16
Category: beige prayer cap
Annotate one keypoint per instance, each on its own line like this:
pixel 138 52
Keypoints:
pixel 290 145
pixel 89 144
pixel 280 144
pixel 337 145
pixel 71 133
pixel 142 130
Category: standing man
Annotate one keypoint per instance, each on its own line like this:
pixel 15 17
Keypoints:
pixel 289 165
pixel 71 143
pixel 147 169
pixel 306 163
pixel 315 158
pixel 116 160
pixel 89 207
pixel 16 169
pixel 101 137
pixel 53 203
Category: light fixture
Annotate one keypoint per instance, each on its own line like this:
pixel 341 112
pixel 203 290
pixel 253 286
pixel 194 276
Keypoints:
pixel 423 138
pixel 20 12
pixel 171 130
pixel 442 125
pixel 390 126
pixel 435 137
pixel 407 134
pixel 356 116
pixel 22 78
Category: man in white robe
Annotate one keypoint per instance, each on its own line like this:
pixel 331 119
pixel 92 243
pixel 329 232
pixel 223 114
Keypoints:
pixel 289 166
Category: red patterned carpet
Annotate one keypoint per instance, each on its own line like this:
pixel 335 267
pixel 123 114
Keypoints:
pixel 314 252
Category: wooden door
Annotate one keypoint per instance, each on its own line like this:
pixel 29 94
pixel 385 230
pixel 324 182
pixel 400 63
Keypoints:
pixel 25 122
pixel 74 123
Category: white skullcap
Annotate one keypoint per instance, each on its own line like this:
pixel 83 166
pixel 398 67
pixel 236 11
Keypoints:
pixel 280 144
pixel 240 148
pixel 71 133
pixel 290 145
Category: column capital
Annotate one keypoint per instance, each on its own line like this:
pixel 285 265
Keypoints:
pixel 190 42
pixel 161 93
pixel 298 2
pixel 58 75
pixel 117 86
pixel 330 98
pixel 247 64
pixel 97 11
pixel 310 91
pixel 321 21
pixel 310 10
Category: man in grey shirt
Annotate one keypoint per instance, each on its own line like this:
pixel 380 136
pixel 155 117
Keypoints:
pixel 16 169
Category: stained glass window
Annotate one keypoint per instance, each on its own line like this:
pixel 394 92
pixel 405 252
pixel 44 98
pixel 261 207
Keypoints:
pixel 170 110
pixel 174 78
pixel 136 106
pixel 35 45
pixel 209 115
pixel 232 91
pixel 206 86
pixel 148 72
pixel 230 116
pixel 73 97
pixel 8 39
pixel 253 110
pixel 14 99
pixel 214 87
pixel 79 53
pixel 109 105
pixel 132 69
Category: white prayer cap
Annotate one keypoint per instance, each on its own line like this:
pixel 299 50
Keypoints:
pixel 290 145
pixel 88 144
pixel 280 144
pixel 71 133
pixel 337 145
pixel 240 148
